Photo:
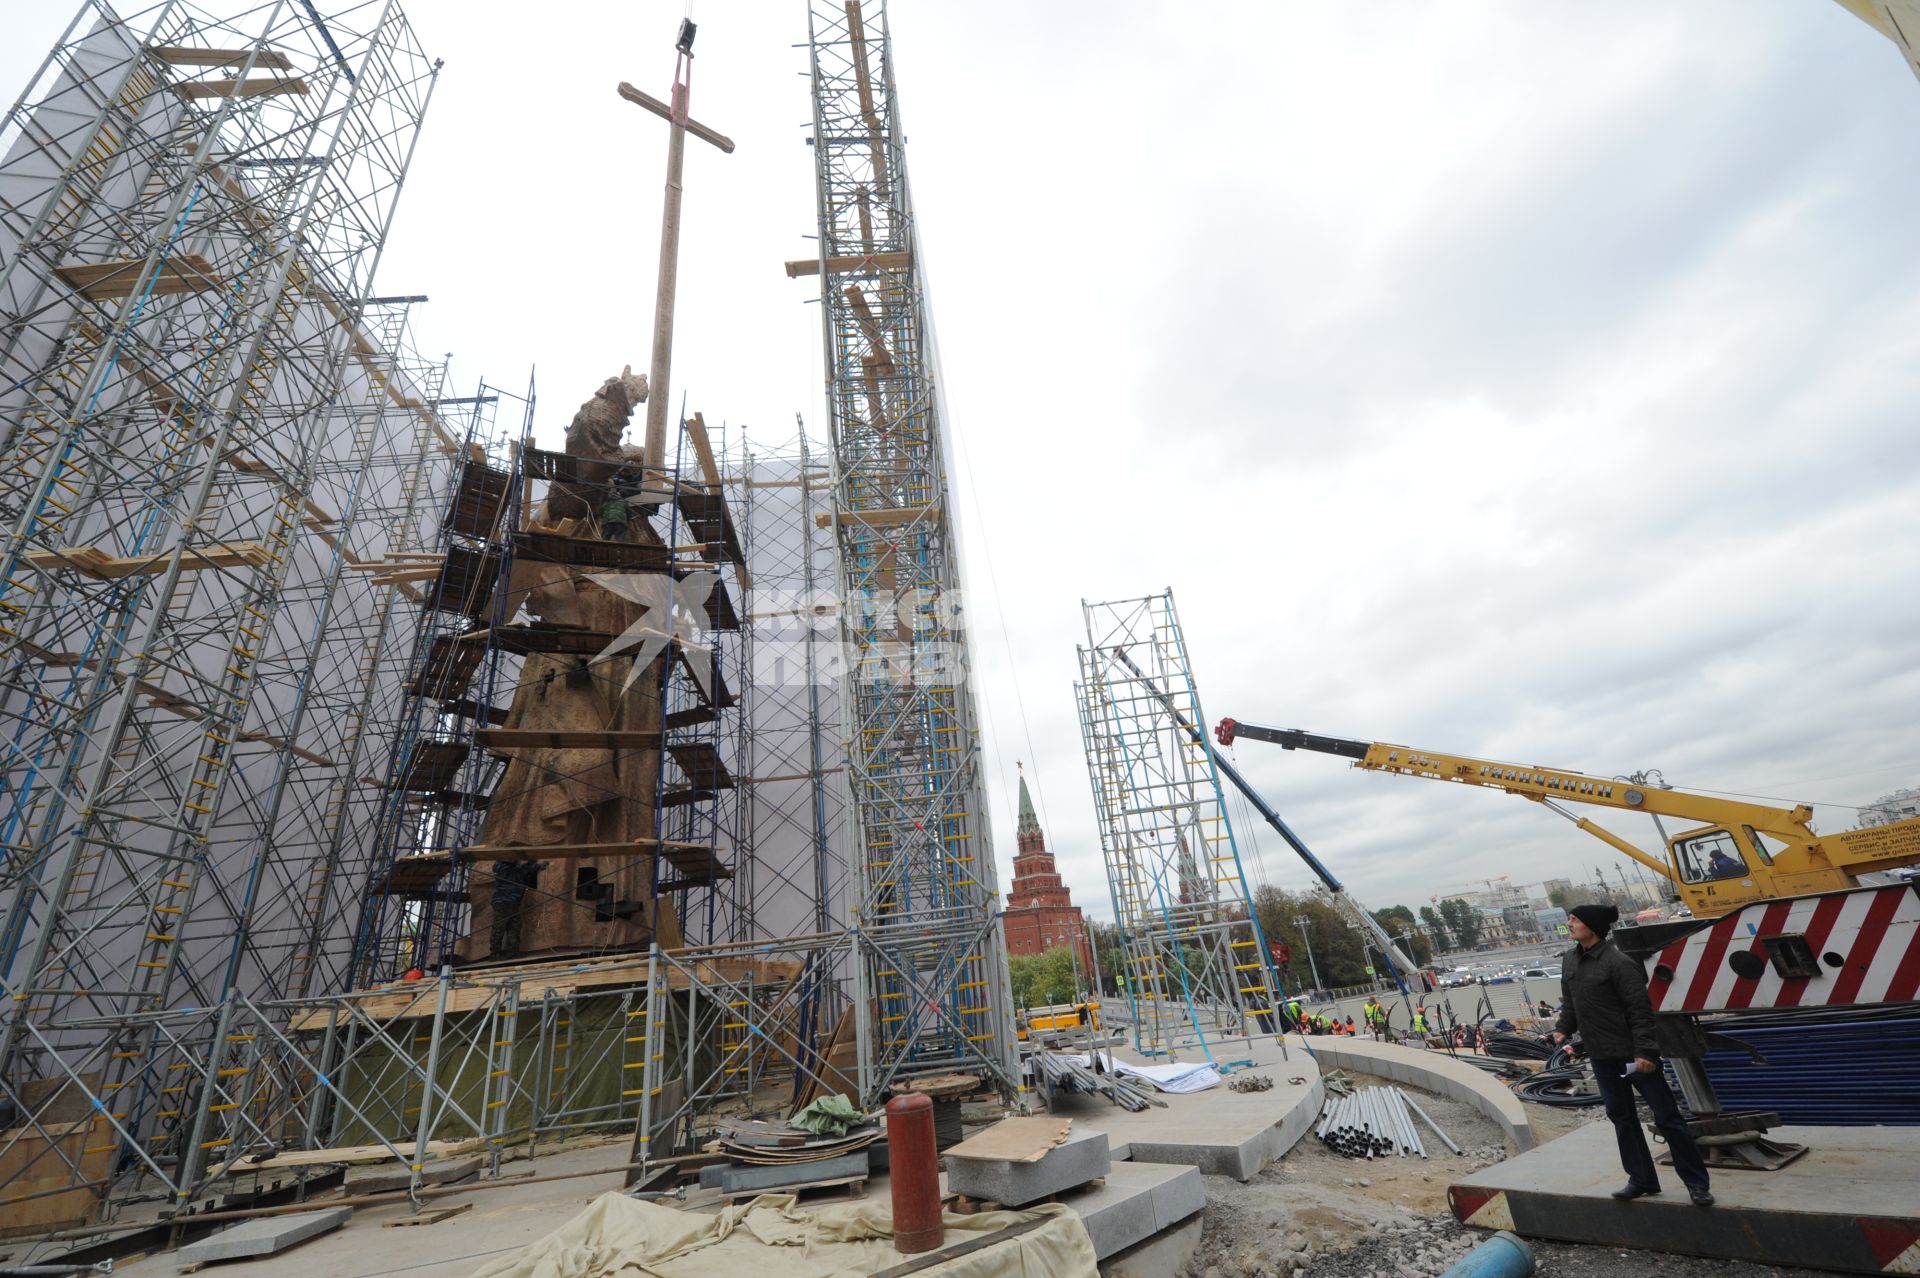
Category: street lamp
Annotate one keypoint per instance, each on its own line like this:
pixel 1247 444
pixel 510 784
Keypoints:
pixel 1301 921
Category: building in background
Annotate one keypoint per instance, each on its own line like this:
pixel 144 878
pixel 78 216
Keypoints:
pixel 1901 805
pixel 1041 914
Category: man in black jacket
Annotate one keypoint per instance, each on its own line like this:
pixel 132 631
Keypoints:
pixel 1603 995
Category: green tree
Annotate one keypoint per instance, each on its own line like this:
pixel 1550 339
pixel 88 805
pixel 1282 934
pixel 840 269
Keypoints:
pixel 1042 979
pixel 1463 922
pixel 1398 920
pixel 1436 928
pixel 1112 954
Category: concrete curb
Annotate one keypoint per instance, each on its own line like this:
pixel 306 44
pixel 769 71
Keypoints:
pixel 1436 1072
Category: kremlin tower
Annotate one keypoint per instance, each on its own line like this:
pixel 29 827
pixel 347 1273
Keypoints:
pixel 1040 913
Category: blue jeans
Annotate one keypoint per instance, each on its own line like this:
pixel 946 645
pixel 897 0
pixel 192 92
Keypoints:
pixel 1635 1157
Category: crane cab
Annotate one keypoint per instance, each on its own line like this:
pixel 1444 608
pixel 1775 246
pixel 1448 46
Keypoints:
pixel 1719 868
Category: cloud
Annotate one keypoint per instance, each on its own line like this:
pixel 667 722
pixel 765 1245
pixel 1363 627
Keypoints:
pixel 1525 382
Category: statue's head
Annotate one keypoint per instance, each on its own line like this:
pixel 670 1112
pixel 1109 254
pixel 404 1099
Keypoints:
pixel 626 390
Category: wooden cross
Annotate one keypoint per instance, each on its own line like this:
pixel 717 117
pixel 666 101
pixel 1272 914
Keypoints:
pixel 676 115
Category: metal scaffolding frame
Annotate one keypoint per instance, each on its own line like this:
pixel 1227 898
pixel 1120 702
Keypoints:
pixel 205 419
pixel 439 778
pixel 1198 970
pixel 931 978
pixel 448 763
pixel 422 1071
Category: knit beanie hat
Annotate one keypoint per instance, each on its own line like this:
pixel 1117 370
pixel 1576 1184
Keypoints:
pixel 1600 918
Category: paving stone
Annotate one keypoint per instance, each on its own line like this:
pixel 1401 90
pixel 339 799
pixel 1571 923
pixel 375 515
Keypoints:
pixel 1075 1161
pixel 1138 1201
pixel 442 1173
pixel 262 1237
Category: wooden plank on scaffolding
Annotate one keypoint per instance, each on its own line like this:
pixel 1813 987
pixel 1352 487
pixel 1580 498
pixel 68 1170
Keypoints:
pixel 567 739
pixel 104 281
pixel 541 637
pixel 256 87
pixel 345 1154
pixel 703 449
pixel 863 80
pixel 175 55
pixel 475 988
pixel 577 851
pixel 890 518
pixel 97 563
pixel 854 263
pixel 280 743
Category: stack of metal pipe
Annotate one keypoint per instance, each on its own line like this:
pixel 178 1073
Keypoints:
pixel 1068 1075
pixel 1374 1122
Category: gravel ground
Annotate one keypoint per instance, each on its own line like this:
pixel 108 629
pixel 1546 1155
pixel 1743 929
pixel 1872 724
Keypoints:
pixel 1317 1214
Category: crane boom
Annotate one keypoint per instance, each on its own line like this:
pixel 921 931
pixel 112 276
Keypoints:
pixel 1742 852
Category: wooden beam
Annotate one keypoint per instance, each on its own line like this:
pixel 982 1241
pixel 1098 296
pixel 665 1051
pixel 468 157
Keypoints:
pixel 876 336
pixel 567 739
pixel 346 1154
pixel 99 564
pixel 882 518
pixel 103 281
pixel 703 449
pixel 955 1250
pixel 857 33
pixel 279 743
pixel 578 851
pixel 860 262
pixel 260 88
pixel 179 56
pixel 665 112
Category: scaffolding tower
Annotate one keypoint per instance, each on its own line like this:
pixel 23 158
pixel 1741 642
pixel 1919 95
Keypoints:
pixel 499 544
pixel 1198 969
pixel 206 417
pixel 931 984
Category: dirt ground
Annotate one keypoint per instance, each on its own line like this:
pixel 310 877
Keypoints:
pixel 1318 1214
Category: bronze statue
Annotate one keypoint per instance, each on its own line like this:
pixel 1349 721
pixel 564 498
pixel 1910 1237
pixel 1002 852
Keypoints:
pixel 553 799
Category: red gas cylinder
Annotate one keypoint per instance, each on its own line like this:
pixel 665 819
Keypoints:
pixel 915 1175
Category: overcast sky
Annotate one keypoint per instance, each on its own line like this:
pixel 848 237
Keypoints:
pixel 1529 381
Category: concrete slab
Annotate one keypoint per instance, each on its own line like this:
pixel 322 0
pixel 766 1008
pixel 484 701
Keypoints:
pixel 503 1218
pixel 438 1173
pixel 262 1237
pixel 1138 1201
pixel 1848 1204
pixel 1081 1157
pixel 1220 1131
pixel 1168 1252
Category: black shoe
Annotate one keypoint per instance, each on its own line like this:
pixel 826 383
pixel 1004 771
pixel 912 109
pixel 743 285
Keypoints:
pixel 1632 1190
pixel 1701 1198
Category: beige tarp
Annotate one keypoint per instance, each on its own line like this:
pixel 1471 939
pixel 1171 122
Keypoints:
pixel 617 1237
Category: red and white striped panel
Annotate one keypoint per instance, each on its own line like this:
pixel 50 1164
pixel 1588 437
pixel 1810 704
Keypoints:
pixel 1875 931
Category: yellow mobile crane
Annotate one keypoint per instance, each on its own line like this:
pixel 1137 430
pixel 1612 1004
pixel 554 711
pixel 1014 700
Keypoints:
pixel 1745 852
